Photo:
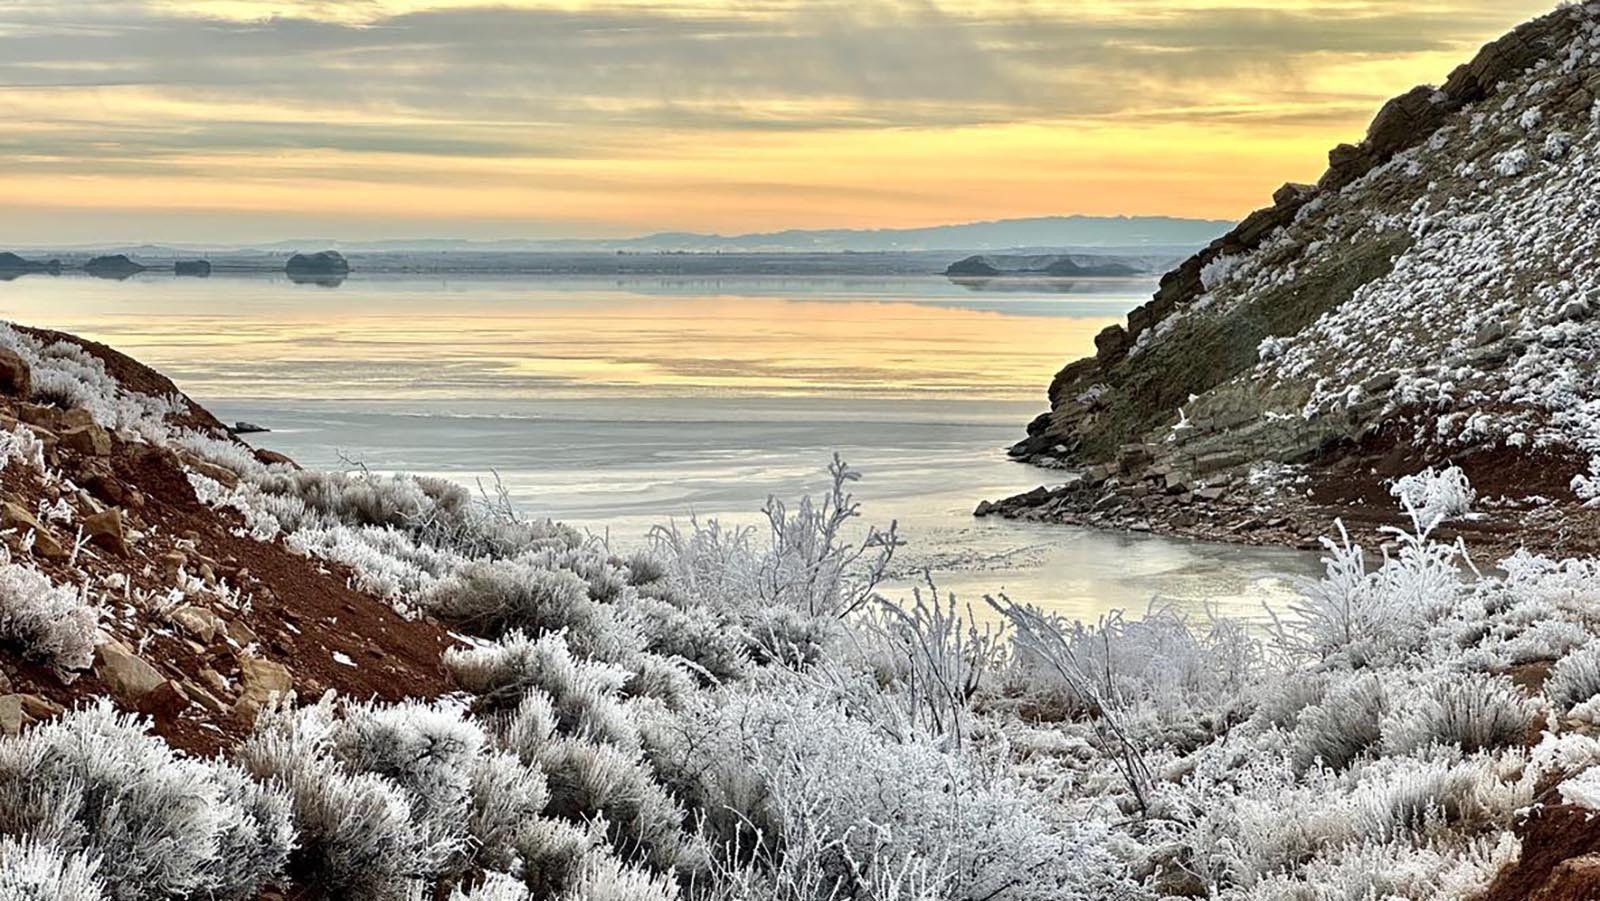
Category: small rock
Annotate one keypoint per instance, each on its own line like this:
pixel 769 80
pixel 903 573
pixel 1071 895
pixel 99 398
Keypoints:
pixel 1489 333
pixel 105 529
pixel 127 674
pixel 172 562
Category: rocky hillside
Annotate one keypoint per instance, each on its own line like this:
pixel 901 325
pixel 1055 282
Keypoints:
pixel 161 601
pixel 1431 299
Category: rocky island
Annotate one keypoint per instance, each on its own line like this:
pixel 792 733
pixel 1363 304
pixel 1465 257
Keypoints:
pixel 325 264
pixel 12 265
pixel 114 266
pixel 1039 266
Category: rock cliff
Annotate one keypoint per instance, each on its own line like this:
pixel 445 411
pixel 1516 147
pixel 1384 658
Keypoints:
pixel 1429 300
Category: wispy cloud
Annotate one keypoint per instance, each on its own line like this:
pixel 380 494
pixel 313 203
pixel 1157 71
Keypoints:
pixel 170 87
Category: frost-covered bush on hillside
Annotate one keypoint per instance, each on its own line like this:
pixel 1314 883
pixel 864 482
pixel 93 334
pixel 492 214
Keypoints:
pixel 1432 497
pixel 94 784
pixel 31 871
pixel 52 624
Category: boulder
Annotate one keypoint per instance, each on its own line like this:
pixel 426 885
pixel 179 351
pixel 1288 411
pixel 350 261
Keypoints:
pixel 16 379
pixel 12 716
pixel 1111 344
pixel 45 544
pixel 199 622
pixel 89 440
pixel 221 474
pixel 40 708
pixel 106 530
pixel 1404 121
pixel 127 674
pixel 165 701
pixel 272 457
pixel 262 679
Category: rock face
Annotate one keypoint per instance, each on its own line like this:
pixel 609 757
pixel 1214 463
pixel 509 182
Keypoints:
pixel 324 264
pixel 1423 299
pixel 116 266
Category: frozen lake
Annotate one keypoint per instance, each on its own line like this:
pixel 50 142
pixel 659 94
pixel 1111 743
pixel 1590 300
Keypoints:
pixel 619 404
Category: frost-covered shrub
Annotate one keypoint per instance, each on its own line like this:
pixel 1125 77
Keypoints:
pixel 931 661
pixel 1345 724
pixel 586 696
pixel 589 781
pixel 716 641
pixel 506 795
pixel 256 835
pixel 603 878
pixel 790 637
pixel 357 838
pixel 160 825
pixel 21 444
pixel 810 562
pixel 1575 678
pixel 493 887
pixel 493 597
pixel 429 752
pixel 1474 712
pixel 552 851
pixel 30 871
pixel 1363 616
pixel 823 801
pixel 52 624
pixel 1431 497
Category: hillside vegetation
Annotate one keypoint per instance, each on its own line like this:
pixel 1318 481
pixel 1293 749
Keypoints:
pixel 1430 301
pixel 233 678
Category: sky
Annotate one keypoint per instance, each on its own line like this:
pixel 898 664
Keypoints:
pixel 256 120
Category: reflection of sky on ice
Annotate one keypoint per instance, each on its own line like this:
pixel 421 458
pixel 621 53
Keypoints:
pixel 617 406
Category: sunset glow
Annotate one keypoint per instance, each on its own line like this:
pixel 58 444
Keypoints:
pixel 222 120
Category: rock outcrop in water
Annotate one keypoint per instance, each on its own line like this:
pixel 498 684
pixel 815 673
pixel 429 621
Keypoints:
pixel 192 268
pixel 328 263
pixel 1038 266
pixel 12 265
pixel 115 266
pixel 1431 299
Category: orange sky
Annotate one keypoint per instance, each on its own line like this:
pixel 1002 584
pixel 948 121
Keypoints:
pixel 236 120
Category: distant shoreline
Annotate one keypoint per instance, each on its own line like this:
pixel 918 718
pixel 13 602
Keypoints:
pixel 648 264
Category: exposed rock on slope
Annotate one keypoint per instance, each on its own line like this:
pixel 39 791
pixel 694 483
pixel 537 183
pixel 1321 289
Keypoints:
pixel 1428 300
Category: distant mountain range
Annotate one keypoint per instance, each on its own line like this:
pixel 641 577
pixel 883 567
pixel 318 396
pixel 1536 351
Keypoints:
pixel 1121 234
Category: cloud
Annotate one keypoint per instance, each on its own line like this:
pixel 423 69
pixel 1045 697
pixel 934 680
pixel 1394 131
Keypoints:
pixel 172 87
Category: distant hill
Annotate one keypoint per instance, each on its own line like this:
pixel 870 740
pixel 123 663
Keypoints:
pixel 1159 235
pixel 1005 234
